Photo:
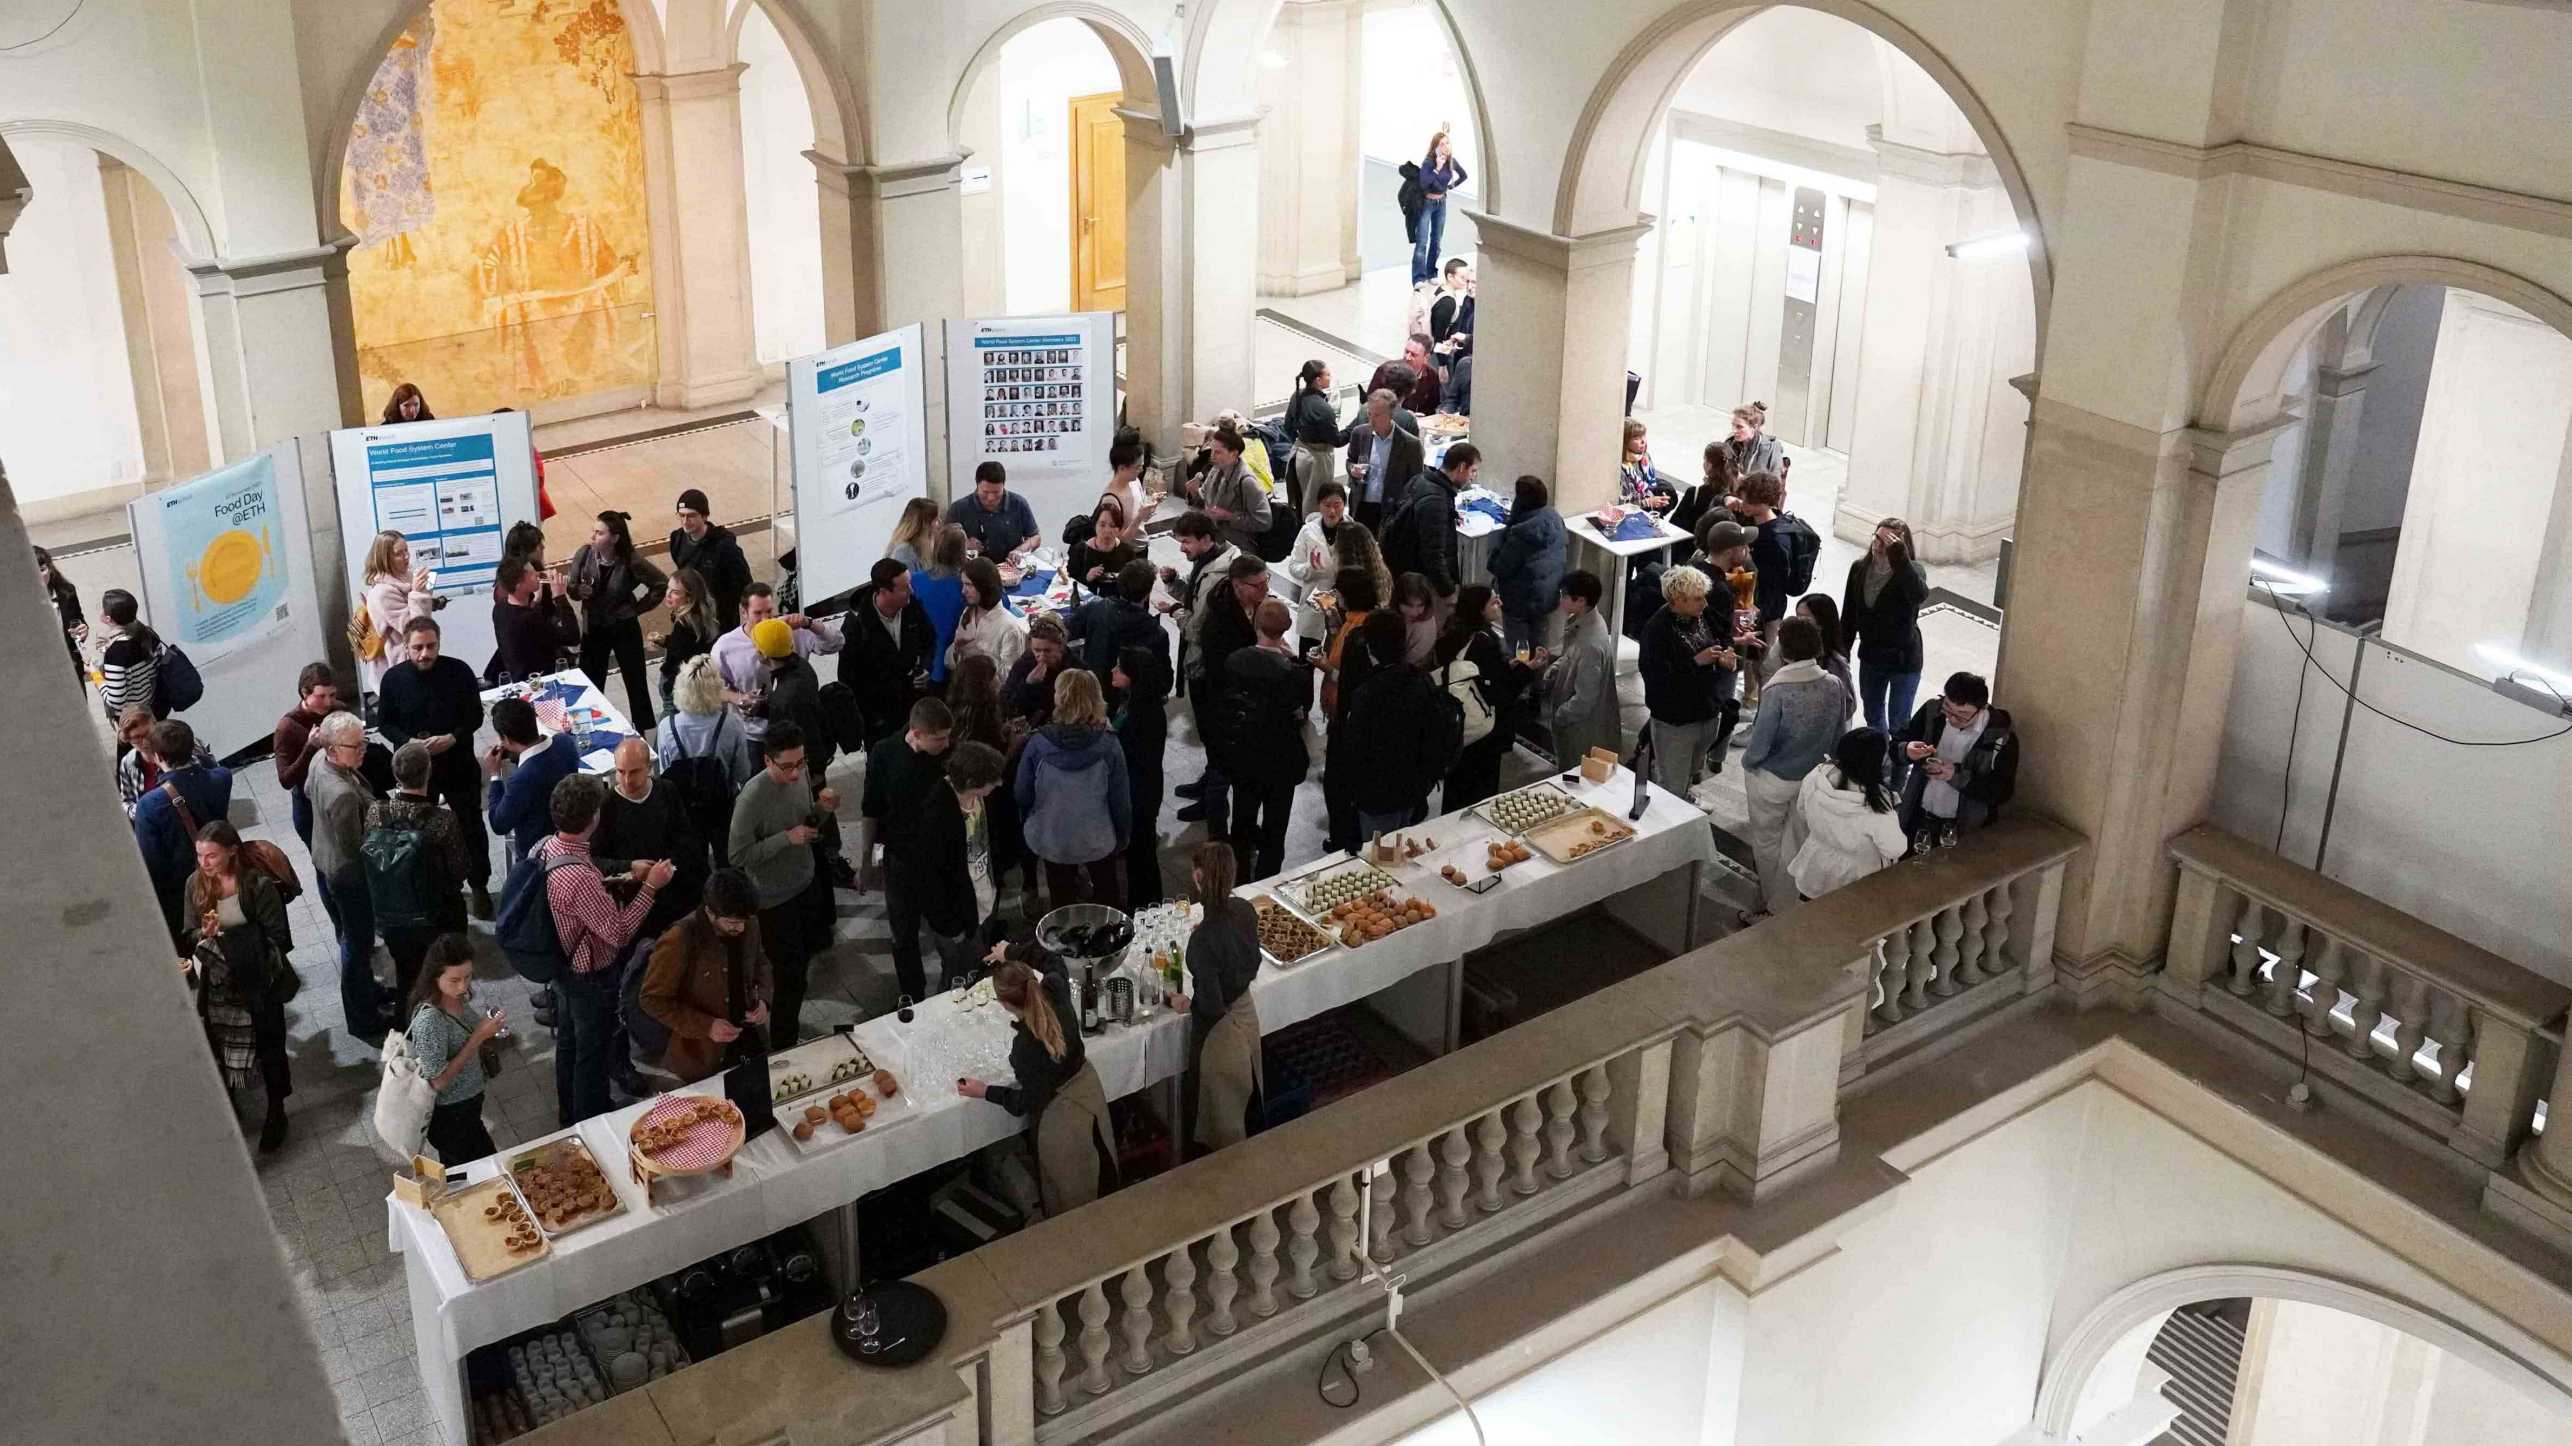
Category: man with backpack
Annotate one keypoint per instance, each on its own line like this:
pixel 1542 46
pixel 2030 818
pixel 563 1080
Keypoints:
pixel 1404 733
pixel 187 794
pixel 336 784
pixel 416 863
pixel 590 930
pixel 1420 529
pixel 437 701
pixel 1783 549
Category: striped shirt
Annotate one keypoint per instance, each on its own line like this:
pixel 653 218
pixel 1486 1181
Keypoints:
pixel 587 919
pixel 126 671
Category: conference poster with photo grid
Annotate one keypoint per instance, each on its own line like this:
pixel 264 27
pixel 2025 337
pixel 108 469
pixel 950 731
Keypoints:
pixel 1038 396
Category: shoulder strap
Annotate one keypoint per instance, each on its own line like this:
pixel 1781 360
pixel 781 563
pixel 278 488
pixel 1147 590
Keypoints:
pixel 187 817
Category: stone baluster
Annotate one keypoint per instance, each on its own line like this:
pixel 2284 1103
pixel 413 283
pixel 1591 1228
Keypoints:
pixel 2246 932
pixel 1453 1152
pixel 1946 927
pixel 1049 1358
pixel 2410 1025
pixel 1416 1203
pixel 1303 1226
pixel 1093 1339
pixel 1876 997
pixel 1924 948
pixel 1380 1188
pixel 1263 1264
pixel 1594 1114
pixel 1523 1118
pixel 1996 930
pixel 1559 1103
pixel 2365 980
pixel 1971 950
pixel 1221 1283
pixel 1344 1228
pixel 1895 950
pixel 2287 975
pixel 1136 1324
pixel 2328 966
pixel 1179 1301
pixel 2451 1024
pixel 1490 1137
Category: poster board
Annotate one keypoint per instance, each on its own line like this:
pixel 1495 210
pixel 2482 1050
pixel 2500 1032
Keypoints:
pixel 453 488
pixel 227 574
pixel 1036 394
pixel 856 420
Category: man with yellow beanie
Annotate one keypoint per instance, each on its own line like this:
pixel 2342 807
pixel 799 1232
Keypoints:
pixel 747 675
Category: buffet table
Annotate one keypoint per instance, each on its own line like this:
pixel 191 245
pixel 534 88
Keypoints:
pixel 775 1183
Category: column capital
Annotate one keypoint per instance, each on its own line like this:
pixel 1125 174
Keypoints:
pixel 891 180
pixel 1896 160
pixel 2025 385
pixel 722 80
pixel 2343 381
pixel 296 270
pixel 1144 128
pixel 1557 252
pixel 2223 455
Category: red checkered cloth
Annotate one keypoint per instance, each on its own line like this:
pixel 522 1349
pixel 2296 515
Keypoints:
pixel 553 716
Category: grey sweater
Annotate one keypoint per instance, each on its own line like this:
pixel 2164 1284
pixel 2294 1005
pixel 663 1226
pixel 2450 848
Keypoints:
pixel 1802 712
pixel 339 800
pixel 779 867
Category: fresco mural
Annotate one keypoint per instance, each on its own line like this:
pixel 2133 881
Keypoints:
pixel 494 180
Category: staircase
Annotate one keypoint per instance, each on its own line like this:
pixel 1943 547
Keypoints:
pixel 2201 1348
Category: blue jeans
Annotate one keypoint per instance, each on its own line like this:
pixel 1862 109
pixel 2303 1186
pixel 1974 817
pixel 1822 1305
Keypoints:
pixel 584 1004
pixel 362 1004
pixel 302 810
pixel 1887 697
pixel 1427 234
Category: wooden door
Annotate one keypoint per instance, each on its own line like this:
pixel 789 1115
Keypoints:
pixel 1098 203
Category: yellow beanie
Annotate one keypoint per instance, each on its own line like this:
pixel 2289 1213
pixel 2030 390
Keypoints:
pixel 773 638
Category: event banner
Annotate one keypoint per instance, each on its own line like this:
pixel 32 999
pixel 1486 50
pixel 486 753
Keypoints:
pixel 1038 396
pixel 222 558
pixel 452 488
pixel 856 416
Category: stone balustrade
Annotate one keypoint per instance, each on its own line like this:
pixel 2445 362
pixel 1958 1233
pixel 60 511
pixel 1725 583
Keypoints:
pixel 2446 1036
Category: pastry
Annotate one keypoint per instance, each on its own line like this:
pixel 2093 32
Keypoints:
pixel 814 1115
pixel 885 1084
pixel 804 1129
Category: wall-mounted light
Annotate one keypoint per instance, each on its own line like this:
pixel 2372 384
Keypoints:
pixel 2285 581
pixel 2548 691
pixel 1994 247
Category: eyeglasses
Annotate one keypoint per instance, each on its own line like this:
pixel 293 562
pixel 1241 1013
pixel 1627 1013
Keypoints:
pixel 784 764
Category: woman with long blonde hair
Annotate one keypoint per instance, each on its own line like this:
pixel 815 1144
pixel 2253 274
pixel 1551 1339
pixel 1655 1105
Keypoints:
pixel 396 592
pixel 1223 960
pixel 915 534
pixel 1075 1146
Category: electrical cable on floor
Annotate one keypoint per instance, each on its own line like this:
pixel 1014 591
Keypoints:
pixel 1322 1381
pixel 2306 646
pixel 1423 1363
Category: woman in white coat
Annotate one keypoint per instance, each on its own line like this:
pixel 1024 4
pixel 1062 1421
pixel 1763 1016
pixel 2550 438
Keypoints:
pixel 1844 826
pixel 1312 561
pixel 987 626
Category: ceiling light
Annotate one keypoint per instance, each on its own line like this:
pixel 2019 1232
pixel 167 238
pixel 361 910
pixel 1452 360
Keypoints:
pixel 2282 580
pixel 2511 663
pixel 1989 248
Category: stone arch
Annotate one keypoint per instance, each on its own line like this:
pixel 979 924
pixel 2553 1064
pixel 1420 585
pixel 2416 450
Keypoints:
pixel 1240 27
pixel 2067 1374
pixel 2243 388
pixel 839 122
pixel 194 228
pixel 1126 44
pixel 1602 182
pixel 642 24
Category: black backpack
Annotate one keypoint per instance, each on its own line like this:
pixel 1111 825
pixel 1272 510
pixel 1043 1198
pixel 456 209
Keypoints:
pixel 1400 543
pixel 1803 547
pixel 401 875
pixel 842 719
pixel 650 1037
pixel 1443 734
pixel 1284 522
pixel 704 790
pixel 176 685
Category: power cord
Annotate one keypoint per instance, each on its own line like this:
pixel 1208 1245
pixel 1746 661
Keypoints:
pixel 1423 1363
pixel 1348 1371
pixel 2305 644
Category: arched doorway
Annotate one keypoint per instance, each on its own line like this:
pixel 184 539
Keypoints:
pixel 783 126
pixel 492 169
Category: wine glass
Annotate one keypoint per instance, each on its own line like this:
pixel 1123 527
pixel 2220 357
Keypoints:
pixel 903 1010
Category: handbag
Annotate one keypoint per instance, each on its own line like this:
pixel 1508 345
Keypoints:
pixel 403 1100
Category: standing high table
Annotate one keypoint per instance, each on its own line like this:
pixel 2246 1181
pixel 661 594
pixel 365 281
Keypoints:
pixel 1585 530
pixel 580 698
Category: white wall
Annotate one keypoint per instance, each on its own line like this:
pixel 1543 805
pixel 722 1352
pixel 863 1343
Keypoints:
pixel 1040 70
pixel 2406 342
pixel 1412 85
pixel 2329 1378
pixel 1639 1384
pixel 67 420
pixel 785 203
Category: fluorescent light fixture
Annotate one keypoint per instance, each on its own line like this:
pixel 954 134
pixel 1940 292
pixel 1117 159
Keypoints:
pixel 2511 663
pixel 2284 581
pixel 1989 248
pixel 1272 60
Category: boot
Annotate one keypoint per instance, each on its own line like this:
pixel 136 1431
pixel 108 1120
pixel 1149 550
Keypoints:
pixel 1195 789
pixel 482 903
pixel 272 1131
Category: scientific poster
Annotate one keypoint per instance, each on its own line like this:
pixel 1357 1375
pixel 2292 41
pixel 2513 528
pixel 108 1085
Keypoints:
pixel 855 415
pixel 452 488
pixel 222 558
pixel 1038 396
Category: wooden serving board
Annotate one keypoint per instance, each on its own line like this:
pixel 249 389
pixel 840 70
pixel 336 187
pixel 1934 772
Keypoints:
pixel 477 1237
pixel 556 1153
pixel 1557 838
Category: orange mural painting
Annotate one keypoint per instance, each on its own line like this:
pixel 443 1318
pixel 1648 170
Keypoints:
pixel 494 179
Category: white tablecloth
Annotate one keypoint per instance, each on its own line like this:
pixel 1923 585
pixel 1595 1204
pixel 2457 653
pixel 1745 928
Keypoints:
pixel 774 1185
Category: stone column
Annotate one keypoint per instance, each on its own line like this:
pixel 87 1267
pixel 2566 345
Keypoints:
pixel 153 293
pixel 269 323
pixel 1936 442
pixel 897 226
pixel 2537 1195
pixel 15 193
pixel 700 237
pixel 1308 150
pixel 2341 371
pixel 1550 355
pixel 1191 285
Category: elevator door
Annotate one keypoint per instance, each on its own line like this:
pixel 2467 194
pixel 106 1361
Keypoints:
pixel 1787 414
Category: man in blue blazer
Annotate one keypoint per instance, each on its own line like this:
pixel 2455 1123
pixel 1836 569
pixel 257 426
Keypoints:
pixel 520 804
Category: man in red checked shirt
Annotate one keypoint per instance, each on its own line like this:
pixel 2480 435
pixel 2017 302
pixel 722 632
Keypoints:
pixel 594 930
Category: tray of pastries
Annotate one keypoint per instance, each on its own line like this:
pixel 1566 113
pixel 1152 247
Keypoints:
pixel 1576 836
pixel 563 1186
pixel 1522 809
pixel 687 1135
pixel 1377 915
pixel 491 1229
pixel 1284 935
pixel 1317 891
pixel 827 1063
pixel 845 1112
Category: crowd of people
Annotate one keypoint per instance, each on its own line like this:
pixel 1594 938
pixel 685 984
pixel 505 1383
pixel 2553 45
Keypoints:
pixel 1317 615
